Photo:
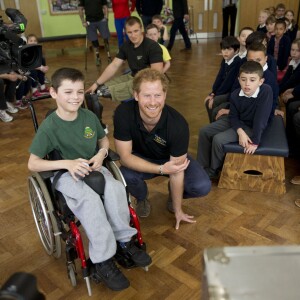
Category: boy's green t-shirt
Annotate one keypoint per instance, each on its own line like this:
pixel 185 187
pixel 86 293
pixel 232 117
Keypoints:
pixel 73 139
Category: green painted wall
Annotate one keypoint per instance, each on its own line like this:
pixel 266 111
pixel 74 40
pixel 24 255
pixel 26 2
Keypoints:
pixel 58 25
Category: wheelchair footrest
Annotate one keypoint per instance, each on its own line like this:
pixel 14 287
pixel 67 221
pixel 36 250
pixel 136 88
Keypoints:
pixel 124 261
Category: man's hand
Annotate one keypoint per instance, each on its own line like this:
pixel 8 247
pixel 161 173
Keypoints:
pixel 181 216
pixel 92 88
pixel 174 166
pixel 78 167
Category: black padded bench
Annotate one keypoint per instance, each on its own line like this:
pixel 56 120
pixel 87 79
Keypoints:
pixel 264 170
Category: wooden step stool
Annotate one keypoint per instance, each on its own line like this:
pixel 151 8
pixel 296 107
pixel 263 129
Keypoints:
pixel 261 172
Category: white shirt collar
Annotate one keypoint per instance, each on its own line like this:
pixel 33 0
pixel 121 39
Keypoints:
pixel 294 63
pixel 241 93
pixel 265 67
pixel 229 62
pixel 243 54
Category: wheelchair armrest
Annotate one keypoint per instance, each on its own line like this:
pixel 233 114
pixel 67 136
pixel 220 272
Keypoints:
pixel 46 174
pixel 112 155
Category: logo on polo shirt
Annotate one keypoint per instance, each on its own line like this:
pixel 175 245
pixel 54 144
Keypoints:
pixel 88 132
pixel 139 57
pixel 159 140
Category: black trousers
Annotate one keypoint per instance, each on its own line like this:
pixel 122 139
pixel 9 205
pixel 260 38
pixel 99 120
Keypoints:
pixel 179 25
pixel 7 92
pixel 229 12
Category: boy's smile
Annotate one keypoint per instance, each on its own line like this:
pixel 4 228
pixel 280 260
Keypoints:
pixel 69 97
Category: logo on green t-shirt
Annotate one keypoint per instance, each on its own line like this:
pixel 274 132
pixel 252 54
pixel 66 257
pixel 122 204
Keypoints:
pixel 88 133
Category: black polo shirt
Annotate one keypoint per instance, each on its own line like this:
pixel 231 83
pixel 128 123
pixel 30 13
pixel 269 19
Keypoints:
pixel 169 137
pixel 93 9
pixel 141 57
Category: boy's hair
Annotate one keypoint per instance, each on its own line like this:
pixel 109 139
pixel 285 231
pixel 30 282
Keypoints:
pixel 132 20
pixel 257 37
pixel 296 41
pixel 281 21
pixel 252 67
pixel 151 26
pixel 280 5
pixel 149 75
pixel 157 17
pixel 265 11
pixel 271 20
pixel 257 47
pixel 65 74
pixel 246 28
pixel 31 35
pixel 230 42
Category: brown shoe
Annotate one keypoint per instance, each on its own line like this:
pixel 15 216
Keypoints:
pixel 297 202
pixel 295 180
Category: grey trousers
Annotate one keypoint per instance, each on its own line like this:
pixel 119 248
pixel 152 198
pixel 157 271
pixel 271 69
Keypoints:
pixel 212 137
pixel 104 223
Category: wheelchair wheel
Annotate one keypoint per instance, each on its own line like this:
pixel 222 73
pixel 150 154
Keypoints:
pixel 72 273
pixel 42 210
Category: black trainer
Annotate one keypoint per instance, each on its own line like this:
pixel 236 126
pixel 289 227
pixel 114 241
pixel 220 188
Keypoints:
pixel 110 274
pixel 129 250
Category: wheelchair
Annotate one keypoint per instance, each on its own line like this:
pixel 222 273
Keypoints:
pixel 54 220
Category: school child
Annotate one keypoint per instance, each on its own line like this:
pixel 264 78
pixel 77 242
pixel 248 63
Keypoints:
pixel 280 11
pixel 250 108
pixel 270 25
pixel 262 17
pixel 163 30
pixel 76 132
pixel 243 34
pixel 292 75
pixel 152 32
pixel 39 87
pixel 292 29
pixel 226 76
pixel 279 45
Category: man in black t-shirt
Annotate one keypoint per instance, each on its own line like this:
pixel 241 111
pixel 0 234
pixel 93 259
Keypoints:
pixel 152 139
pixel 96 19
pixel 140 53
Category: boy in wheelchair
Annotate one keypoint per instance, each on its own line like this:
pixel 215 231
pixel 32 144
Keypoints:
pixel 76 133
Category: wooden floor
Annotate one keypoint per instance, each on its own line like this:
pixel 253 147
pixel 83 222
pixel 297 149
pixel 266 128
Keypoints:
pixel 224 217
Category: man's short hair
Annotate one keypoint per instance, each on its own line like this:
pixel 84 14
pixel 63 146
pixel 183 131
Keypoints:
pixel 257 37
pixel 257 47
pixel 149 75
pixel 230 42
pixel 132 20
pixel 157 17
pixel 151 26
pixel 65 74
pixel 252 67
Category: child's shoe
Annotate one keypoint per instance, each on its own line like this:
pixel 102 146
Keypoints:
pixel 38 94
pixel 11 108
pixel 130 251
pixel 5 117
pixel 45 90
pixel 111 276
pixel 21 105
